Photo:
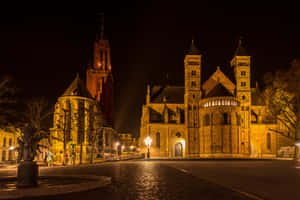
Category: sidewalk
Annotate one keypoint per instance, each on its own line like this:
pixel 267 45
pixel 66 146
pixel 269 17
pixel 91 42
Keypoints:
pixel 208 159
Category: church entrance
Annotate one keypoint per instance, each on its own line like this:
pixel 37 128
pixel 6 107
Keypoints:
pixel 178 149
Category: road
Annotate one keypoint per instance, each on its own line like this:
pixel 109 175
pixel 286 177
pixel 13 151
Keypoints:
pixel 188 180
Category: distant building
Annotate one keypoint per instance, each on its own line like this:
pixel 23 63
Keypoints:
pixel 220 117
pixel 8 144
pixel 127 140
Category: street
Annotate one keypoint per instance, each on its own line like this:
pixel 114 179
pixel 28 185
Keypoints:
pixel 187 180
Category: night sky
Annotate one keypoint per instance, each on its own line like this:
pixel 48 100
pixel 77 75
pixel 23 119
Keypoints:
pixel 43 49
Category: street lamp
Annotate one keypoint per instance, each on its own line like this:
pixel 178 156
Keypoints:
pixel 117 144
pixel 148 141
pixel 131 147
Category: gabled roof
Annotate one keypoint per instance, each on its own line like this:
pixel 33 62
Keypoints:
pixel 219 91
pixel 167 94
pixel 218 78
pixel 77 88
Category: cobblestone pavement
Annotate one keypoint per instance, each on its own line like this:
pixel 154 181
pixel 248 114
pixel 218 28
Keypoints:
pixel 143 180
pixel 276 180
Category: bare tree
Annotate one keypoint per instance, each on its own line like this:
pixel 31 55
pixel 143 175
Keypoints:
pixel 282 97
pixel 7 99
pixel 35 127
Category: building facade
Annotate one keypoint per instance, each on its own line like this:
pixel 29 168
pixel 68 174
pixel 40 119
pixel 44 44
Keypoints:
pixel 99 78
pixel 128 142
pixel 8 144
pixel 220 117
pixel 83 120
pixel 80 133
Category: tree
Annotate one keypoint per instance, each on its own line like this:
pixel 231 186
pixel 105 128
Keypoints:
pixel 35 127
pixel 96 123
pixel 282 97
pixel 7 99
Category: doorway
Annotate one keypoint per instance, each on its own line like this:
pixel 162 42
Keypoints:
pixel 178 149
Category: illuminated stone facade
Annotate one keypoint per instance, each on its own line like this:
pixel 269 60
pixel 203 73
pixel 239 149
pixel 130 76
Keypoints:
pixel 79 127
pixel 127 140
pixel 220 117
pixel 83 118
pixel 8 143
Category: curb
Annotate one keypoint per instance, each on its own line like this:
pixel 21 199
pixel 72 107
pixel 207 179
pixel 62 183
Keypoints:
pixel 43 191
pixel 205 159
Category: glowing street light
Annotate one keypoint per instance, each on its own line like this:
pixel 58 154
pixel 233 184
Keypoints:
pixel 11 148
pixel 117 144
pixel 148 141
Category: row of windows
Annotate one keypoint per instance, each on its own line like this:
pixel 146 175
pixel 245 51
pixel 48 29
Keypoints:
pixel 4 155
pixel 207 121
pixel 221 102
pixel 9 142
pixel 194 73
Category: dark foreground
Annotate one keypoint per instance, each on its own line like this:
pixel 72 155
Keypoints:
pixel 187 180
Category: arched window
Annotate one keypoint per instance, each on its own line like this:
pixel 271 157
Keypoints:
pixel 10 142
pixel 10 155
pixel 268 141
pixel 158 140
pixel 225 118
pixel 4 142
pixel 3 155
pixel 238 119
pixel 107 139
pixel 206 120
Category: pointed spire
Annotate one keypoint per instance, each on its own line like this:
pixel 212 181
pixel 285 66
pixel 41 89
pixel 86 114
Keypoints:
pixel 240 51
pixel 102 27
pixel 193 49
pixel 148 94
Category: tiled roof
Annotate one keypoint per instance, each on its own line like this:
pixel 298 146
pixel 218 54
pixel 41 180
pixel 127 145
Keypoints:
pixel 193 49
pixel 77 88
pixel 167 94
pixel 219 91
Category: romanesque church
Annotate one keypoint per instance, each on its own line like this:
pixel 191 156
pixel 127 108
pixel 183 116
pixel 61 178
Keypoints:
pixel 222 116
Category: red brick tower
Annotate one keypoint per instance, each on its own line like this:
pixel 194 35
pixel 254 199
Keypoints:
pixel 99 78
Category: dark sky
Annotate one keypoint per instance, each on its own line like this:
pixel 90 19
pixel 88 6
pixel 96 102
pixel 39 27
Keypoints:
pixel 44 48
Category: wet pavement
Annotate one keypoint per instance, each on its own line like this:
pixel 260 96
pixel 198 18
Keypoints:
pixel 187 180
pixel 145 181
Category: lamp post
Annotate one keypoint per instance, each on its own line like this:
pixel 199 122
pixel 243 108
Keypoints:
pixel 148 141
pixel 297 146
pixel 117 149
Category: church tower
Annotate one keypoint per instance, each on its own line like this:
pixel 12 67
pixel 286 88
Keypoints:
pixel 192 71
pixel 242 64
pixel 99 79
